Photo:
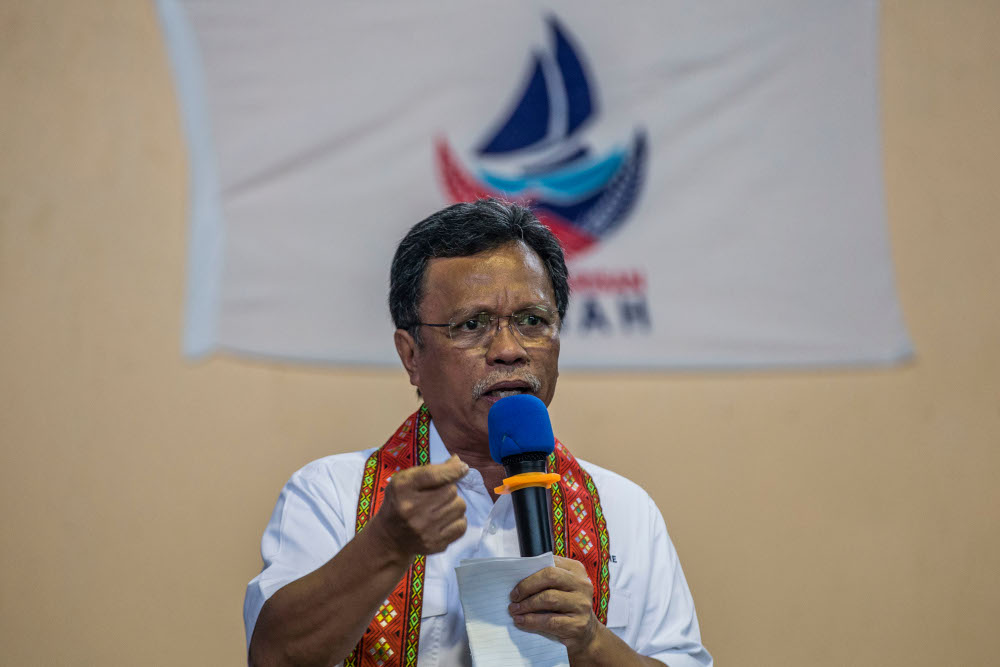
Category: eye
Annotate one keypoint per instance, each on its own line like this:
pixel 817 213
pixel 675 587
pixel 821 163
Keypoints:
pixel 531 318
pixel 474 323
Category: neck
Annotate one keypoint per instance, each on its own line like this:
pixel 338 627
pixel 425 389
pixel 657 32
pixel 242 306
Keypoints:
pixel 476 455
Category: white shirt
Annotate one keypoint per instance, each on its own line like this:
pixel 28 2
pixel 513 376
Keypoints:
pixel 650 608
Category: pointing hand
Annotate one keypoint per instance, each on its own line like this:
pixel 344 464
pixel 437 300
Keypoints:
pixel 421 512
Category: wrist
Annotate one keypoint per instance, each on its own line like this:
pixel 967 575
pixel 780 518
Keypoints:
pixel 606 648
pixel 384 544
pixel 591 650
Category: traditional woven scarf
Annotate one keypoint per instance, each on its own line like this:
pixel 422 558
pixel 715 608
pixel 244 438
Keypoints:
pixel 578 531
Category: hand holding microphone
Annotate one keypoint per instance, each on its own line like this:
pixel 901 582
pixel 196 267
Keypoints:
pixel 556 601
pixel 521 440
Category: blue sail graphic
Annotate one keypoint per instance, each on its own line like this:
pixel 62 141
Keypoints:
pixel 579 102
pixel 527 126
pixel 540 155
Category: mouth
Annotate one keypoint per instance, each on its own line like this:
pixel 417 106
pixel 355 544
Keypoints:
pixel 495 391
pixel 505 389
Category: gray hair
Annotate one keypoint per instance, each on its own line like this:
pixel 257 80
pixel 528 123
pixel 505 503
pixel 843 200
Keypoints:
pixel 461 230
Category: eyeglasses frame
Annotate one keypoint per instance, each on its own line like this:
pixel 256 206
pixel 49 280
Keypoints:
pixel 557 323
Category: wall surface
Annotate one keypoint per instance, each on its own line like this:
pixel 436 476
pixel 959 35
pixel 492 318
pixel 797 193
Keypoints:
pixel 822 518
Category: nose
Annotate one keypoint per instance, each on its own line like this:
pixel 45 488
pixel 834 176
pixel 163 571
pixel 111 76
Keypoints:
pixel 505 347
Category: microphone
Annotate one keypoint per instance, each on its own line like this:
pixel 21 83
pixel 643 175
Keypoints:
pixel 521 439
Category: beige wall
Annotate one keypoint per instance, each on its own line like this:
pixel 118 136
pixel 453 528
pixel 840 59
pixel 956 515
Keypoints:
pixel 823 518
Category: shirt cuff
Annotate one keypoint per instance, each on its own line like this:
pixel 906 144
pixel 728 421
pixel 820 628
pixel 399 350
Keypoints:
pixel 699 659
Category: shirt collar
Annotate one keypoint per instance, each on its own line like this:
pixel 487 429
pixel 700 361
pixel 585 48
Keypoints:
pixel 439 453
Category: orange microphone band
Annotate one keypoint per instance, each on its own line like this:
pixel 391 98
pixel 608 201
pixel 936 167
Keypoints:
pixel 525 480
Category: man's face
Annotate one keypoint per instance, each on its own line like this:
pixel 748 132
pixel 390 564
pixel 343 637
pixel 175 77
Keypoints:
pixel 459 385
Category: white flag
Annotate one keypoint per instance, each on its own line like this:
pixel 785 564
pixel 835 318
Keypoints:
pixel 713 170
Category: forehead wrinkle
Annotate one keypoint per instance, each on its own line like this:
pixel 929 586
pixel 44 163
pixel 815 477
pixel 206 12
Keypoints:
pixel 512 275
pixel 514 296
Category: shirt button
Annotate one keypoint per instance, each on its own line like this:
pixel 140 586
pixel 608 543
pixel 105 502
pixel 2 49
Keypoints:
pixel 493 529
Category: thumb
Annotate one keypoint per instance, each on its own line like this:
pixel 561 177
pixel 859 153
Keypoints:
pixel 435 475
pixel 456 468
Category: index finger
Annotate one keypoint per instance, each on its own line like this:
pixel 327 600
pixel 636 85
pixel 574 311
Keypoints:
pixel 570 565
pixel 546 578
pixel 434 475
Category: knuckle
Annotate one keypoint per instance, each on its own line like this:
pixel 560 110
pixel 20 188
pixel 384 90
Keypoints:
pixel 406 507
pixel 460 529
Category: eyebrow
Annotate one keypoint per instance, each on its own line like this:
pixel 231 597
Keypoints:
pixel 475 310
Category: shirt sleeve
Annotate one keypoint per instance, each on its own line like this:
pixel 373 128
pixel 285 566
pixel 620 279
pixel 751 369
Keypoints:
pixel 669 629
pixel 306 529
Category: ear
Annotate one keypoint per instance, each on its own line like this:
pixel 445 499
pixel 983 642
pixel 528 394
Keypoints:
pixel 408 353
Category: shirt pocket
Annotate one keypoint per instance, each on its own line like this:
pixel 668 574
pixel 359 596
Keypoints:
pixel 435 601
pixel 618 608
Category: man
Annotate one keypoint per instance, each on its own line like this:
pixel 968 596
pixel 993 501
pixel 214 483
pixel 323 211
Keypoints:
pixel 360 551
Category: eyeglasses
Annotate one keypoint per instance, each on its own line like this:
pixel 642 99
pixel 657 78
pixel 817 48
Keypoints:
pixel 534 325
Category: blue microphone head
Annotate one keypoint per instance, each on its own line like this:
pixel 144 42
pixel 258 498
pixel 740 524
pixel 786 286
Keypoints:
pixel 518 425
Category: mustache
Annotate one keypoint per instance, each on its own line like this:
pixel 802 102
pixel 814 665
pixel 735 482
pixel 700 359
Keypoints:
pixel 499 376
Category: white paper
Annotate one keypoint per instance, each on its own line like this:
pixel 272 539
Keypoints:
pixel 484 585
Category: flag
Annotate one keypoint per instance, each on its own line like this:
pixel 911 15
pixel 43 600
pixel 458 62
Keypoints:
pixel 713 170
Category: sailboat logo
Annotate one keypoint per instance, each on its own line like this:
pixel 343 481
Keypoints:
pixel 537 154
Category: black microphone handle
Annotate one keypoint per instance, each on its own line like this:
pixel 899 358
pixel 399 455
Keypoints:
pixel 531 513
pixel 531 507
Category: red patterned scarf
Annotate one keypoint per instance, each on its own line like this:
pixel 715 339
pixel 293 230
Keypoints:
pixel 578 531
